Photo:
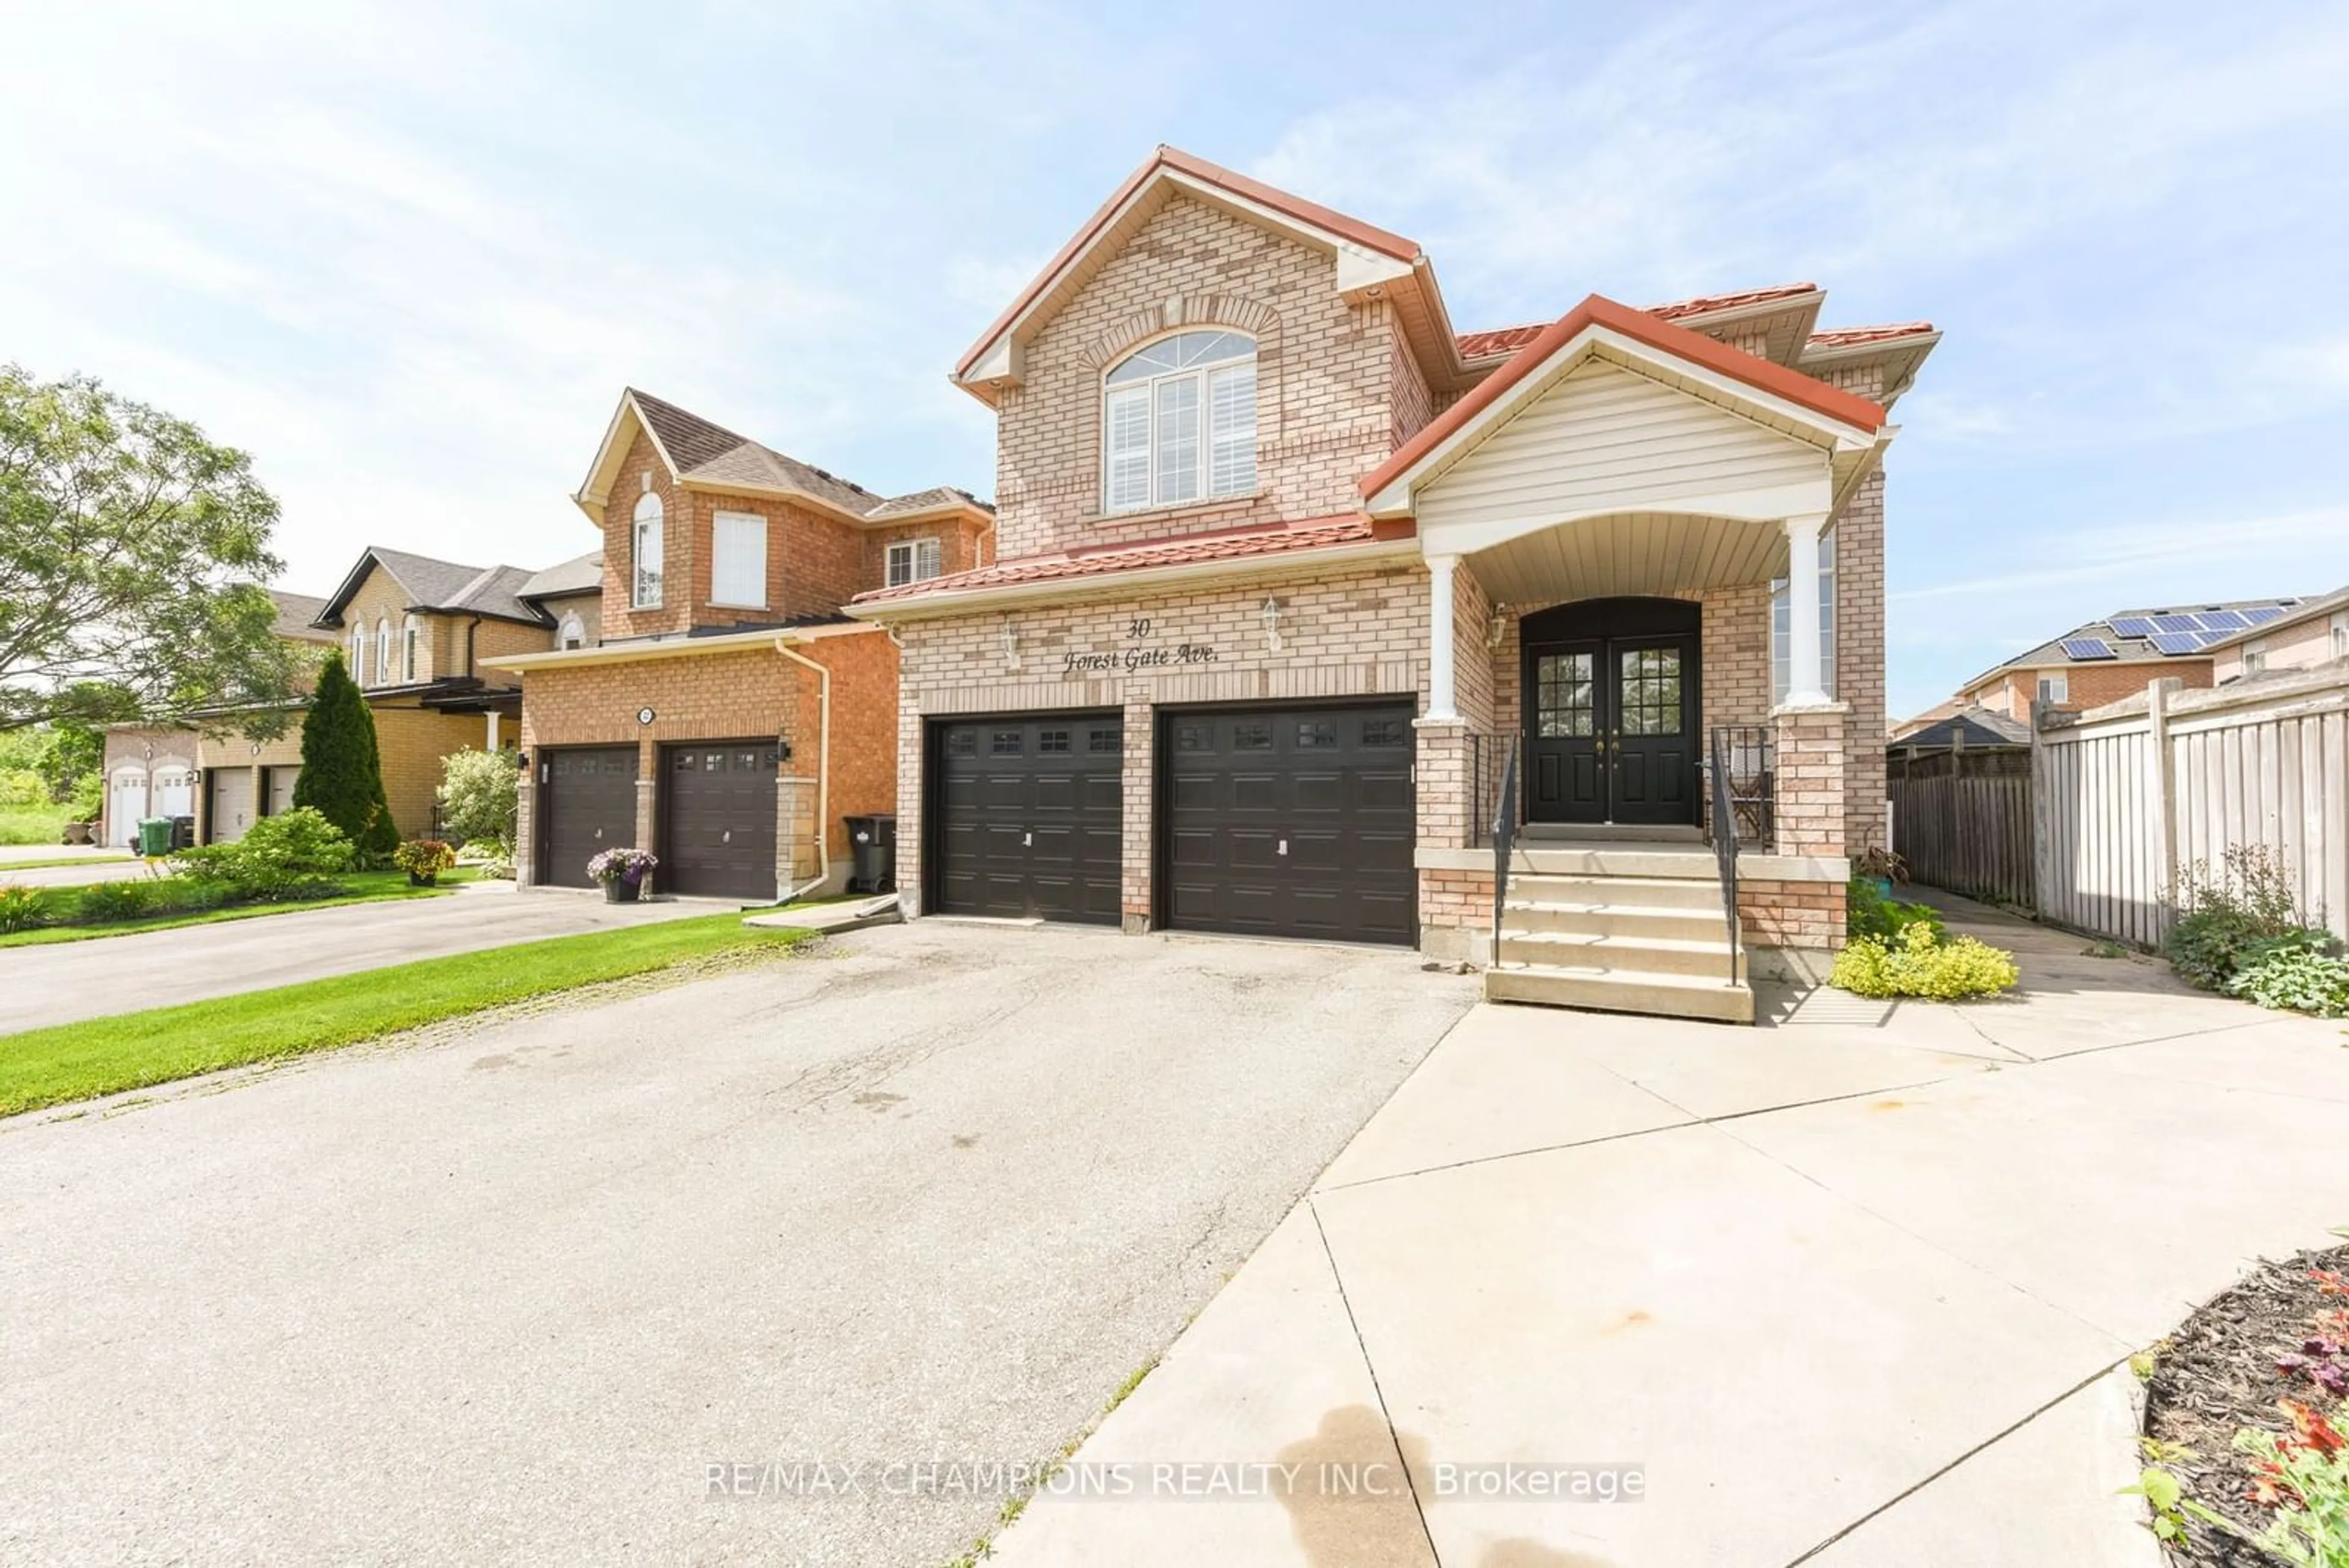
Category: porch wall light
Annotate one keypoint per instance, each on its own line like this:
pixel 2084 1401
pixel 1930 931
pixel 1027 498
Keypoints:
pixel 1272 623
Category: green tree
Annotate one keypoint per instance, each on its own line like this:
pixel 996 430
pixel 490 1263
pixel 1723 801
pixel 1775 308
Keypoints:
pixel 342 771
pixel 478 792
pixel 130 548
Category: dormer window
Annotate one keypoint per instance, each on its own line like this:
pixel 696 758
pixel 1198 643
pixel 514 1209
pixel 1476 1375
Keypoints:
pixel 1178 422
pixel 913 561
pixel 645 553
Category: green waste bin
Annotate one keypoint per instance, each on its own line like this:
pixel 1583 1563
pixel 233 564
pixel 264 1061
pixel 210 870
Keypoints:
pixel 154 836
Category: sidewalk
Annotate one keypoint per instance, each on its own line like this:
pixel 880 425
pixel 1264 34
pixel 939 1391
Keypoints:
pixel 1855 1287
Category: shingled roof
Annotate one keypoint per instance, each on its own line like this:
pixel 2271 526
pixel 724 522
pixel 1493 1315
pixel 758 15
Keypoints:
pixel 443 587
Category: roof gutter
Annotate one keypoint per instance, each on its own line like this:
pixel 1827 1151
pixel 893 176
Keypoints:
pixel 1102 585
pixel 675 647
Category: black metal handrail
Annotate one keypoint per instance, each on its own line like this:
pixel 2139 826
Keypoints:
pixel 1724 840
pixel 1505 834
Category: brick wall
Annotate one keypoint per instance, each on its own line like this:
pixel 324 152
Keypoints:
pixel 1325 381
pixel 1355 633
pixel 1859 661
pixel 736 694
pixel 587 607
pixel 413 742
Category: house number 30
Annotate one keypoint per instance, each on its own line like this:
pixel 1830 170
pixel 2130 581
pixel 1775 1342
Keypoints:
pixel 1138 628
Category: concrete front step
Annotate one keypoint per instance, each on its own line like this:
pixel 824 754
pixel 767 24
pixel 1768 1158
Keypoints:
pixel 1629 955
pixel 1658 995
pixel 1640 892
pixel 1664 922
pixel 1557 857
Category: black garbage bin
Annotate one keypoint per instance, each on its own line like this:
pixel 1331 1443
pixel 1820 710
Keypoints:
pixel 183 833
pixel 873 852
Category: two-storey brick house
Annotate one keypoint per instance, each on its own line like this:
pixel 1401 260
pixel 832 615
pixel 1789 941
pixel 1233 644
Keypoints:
pixel 1289 568
pixel 725 715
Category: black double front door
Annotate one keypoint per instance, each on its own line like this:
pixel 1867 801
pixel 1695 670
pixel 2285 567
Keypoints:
pixel 1611 712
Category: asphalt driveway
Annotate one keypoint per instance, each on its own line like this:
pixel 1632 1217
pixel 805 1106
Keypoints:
pixel 61 982
pixel 930 1194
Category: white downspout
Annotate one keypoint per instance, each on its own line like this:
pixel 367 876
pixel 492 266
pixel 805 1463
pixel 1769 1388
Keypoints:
pixel 824 762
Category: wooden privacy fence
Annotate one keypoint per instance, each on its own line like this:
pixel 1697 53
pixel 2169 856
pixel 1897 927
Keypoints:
pixel 1970 833
pixel 2128 797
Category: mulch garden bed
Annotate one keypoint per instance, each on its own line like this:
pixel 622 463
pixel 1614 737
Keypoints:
pixel 2219 1373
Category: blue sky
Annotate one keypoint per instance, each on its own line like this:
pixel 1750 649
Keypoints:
pixel 409 254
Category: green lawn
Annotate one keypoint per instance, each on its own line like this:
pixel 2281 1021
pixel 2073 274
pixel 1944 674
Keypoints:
pixel 132 1051
pixel 364 887
pixel 34 824
pixel 10 868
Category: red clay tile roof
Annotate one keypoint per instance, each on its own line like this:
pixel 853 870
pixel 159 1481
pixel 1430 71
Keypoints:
pixel 1706 303
pixel 1181 162
pixel 1643 326
pixel 1498 340
pixel 1509 339
pixel 1185 550
pixel 1851 337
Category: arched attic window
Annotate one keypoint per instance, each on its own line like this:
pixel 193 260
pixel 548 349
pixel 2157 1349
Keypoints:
pixel 383 651
pixel 1178 422
pixel 573 633
pixel 358 652
pixel 645 553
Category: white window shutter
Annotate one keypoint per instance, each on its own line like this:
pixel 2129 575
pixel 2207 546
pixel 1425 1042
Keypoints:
pixel 1231 396
pixel 1127 414
pixel 1176 443
pixel 738 568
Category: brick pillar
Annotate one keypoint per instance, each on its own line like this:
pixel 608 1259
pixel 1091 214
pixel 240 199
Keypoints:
pixel 1444 806
pixel 647 784
pixel 1134 785
pixel 526 858
pixel 1809 783
pixel 909 810
pixel 795 830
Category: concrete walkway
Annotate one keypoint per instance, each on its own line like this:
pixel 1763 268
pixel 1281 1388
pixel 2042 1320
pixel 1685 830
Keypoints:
pixel 1853 1289
pixel 63 982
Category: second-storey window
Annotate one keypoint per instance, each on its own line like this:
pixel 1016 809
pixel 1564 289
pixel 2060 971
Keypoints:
pixel 1178 422
pixel 407 649
pixel 913 561
pixel 645 553
pixel 738 560
pixel 358 652
pixel 383 675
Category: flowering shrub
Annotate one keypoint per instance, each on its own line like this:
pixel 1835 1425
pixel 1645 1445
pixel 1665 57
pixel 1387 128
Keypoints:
pixel 1917 963
pixel 21 908
pixel 424 857
pixel 622 865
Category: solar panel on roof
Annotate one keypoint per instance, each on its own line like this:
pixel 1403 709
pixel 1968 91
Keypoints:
pixel 2261 615
pixel 2134 625
pixel 2087 647
pixel 2223 621
pixel 2176 623
pixel 2207 637
pixel 2174 643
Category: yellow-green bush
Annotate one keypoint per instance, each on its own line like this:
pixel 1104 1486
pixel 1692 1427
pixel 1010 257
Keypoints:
pixel 1918 963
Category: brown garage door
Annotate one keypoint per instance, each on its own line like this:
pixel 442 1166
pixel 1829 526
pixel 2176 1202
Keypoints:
pixel 1291 821
pixel 717 819
pixel 1025 817
pixel 586 804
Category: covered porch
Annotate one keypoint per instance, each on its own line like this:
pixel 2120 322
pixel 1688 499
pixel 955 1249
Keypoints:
pixel 1611 526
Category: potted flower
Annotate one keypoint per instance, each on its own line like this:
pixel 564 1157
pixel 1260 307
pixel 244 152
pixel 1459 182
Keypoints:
pixel 424 859
pixel 623 873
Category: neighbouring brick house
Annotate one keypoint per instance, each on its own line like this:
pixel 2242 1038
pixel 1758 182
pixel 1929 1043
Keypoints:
pixel 725 715
pixel 1287 568
pixel 413 631
pixel 2107 660
pixel 2310 633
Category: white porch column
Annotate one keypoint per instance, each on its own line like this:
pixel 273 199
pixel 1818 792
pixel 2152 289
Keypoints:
pixel 1440 682
pixel 491 742
pixel 1804 687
